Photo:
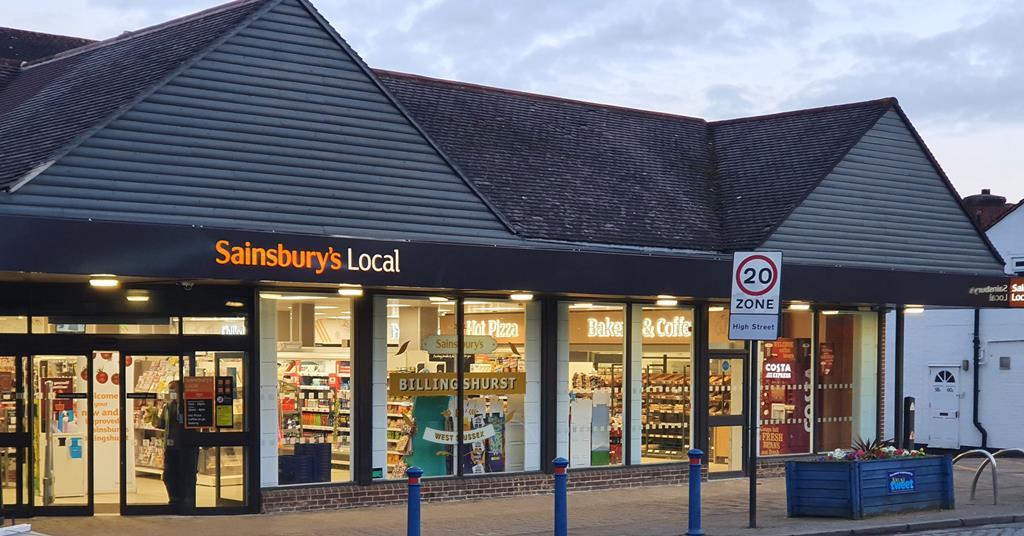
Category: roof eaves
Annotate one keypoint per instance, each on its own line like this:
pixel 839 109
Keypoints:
pixel 398 104
pixel 1005 213
pixel 78 140
pixel 884 105
pixel 949 184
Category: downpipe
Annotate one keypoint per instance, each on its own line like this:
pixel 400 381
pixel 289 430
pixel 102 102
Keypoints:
pixel 977 378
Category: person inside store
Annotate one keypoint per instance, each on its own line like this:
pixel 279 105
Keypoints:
pixel 179 463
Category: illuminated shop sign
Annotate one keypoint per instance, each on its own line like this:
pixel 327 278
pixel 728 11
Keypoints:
pixel 317 260
pixel 496 328
pixel 447 383
pixel 674 327
pixel 1017 292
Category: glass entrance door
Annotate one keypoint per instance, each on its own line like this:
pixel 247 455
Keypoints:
pixel 15 438
pixel 218 468
pixel 61 434
pixel 726 418
pixel 151 429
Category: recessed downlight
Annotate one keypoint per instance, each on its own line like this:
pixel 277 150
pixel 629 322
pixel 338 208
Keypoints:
pixel 348 289
pixel 521 296
pixel 137 296
pixel 103 280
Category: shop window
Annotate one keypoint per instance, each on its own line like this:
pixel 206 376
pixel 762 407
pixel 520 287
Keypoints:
pixel 105 326
pixel 311 343
pixel 786 397
pixel 845 386
pixel 596 379
pixel 13 324
pixel 422 403
pixel 718 330
pixel 666 378
pixel 214 325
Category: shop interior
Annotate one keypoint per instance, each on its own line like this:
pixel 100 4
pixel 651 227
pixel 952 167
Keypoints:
pixel 422 414
pixel 314 384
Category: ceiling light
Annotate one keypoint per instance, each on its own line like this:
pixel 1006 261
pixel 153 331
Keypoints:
pixel 666 302
pixel 103 280
pixel 913 309
pixel 716 308
pixel 665 297
pixel 830 312
pixel 580 305
pixel 290 297
pixel 137 296
pixel 437 299
pixel 232 303
pixel 270 295
pixel 521 296
pixel 799 306
pixel 348 289
pixel 321 307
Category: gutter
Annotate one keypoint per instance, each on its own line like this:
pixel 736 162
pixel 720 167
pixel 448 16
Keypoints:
pixel 977 387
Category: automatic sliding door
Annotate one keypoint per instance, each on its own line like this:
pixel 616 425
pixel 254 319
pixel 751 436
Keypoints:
pixel 219 438
pixel 62 433
pixel 151 433
pixel 15 438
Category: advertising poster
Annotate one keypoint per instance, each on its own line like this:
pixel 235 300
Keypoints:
pixel 199 401
pixel 785 397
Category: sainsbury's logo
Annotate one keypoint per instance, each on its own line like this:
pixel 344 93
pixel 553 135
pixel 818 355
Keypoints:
pixel 319 261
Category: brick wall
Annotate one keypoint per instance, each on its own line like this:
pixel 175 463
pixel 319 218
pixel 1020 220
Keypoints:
pixel 333 496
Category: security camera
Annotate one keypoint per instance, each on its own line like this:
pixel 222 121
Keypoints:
pixel 187 285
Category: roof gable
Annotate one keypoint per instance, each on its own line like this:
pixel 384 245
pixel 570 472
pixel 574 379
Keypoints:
pixel 886 204
pixel 277 127
pixel 51 104
pixel 765 166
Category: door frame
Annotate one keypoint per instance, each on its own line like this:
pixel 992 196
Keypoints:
pixel 20 439
pixel 740 420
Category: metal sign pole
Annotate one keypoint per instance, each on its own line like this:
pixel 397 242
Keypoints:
pixel 752 408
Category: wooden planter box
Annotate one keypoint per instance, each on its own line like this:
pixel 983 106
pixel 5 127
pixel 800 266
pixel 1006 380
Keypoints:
pixel 861 489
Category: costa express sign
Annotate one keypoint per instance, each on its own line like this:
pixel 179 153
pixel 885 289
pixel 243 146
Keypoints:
pixel 318 261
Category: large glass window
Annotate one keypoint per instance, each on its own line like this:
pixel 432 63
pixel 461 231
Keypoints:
pixel 846 381
pixel 667 353
pixel 423 402
pixel 596 379
pixel 314 383
pixel 785 403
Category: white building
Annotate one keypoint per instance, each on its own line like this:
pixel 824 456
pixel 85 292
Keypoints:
pixel 941 369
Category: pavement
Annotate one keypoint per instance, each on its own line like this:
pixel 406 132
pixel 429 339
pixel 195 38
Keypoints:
pixel 649 511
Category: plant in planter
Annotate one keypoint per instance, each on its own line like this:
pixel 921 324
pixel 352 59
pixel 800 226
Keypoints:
pixel 871 478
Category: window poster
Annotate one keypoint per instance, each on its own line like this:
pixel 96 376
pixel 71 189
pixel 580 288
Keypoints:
pixel 786 397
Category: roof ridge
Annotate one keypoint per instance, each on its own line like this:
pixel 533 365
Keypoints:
pixel 887 101
pixel 137 33
pixel 530 94
pixel 48 34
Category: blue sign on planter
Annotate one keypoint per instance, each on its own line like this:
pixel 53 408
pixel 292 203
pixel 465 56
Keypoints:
pixel 902 482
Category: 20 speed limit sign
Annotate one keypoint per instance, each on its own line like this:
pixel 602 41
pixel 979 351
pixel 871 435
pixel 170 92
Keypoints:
pixel 754 308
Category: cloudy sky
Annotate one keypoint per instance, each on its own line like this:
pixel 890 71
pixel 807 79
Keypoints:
pixel 957 67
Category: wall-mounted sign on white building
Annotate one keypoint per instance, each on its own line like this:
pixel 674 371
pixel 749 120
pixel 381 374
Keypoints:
pixel 754 308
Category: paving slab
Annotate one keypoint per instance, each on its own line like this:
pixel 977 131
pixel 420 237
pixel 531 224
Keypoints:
pixel 649 511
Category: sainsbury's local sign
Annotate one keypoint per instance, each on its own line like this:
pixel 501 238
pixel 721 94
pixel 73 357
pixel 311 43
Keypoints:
pixel 319 261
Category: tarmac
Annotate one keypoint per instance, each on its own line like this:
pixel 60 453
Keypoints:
pixel 649 511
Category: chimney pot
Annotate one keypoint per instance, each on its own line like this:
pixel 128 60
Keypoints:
pixel 986 191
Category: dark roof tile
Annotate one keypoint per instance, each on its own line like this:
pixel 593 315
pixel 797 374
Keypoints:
pixel 23 45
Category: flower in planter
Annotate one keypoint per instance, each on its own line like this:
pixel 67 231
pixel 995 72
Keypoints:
pixel 871 450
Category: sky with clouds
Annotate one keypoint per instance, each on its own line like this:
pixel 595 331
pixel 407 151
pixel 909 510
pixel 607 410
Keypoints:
pixel 956 67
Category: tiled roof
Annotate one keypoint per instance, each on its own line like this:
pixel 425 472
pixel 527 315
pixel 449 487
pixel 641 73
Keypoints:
pixel 54 101
pixel 767 165
pixel 557 169
pixel 23 45
pixel 576 171
pixel 572 171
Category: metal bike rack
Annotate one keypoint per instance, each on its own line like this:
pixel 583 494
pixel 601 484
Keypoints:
pixel 977 473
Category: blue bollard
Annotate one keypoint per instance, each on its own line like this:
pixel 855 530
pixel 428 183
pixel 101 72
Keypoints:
pixel 414 473
pixel 561 501
pixel 695 462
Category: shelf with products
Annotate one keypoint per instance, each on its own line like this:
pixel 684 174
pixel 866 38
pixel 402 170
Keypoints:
pixel 666 413
pixel 314 397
